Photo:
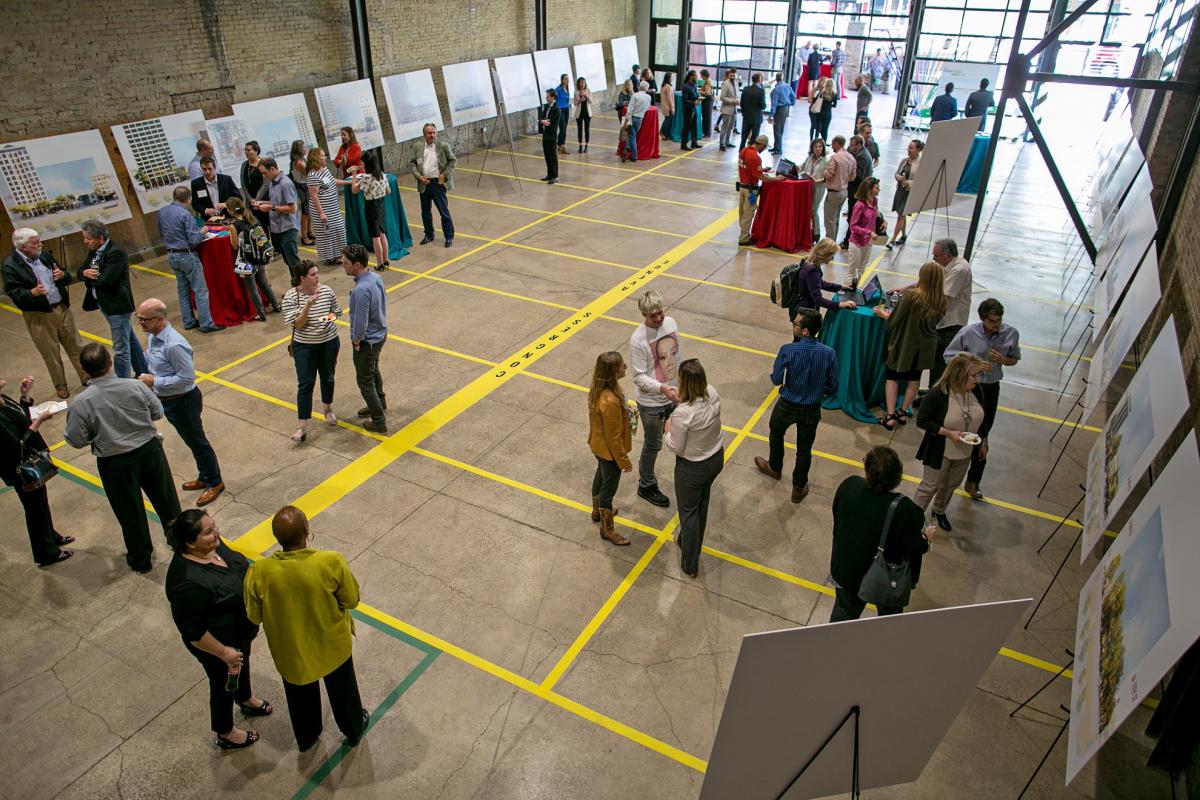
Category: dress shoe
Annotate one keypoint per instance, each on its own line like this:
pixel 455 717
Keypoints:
pixel 213 329
pixel 143 569
pixel 191 327
pixel 374 427
pixel 972 489
pixel 552 181
pixel 426 240
pixel 652 495
pixel 210 494
pixel 61 540
pixel 450 242
pixel 63 555
pixel 765 468
pixel 63 392
pixel 544 178
pixel 943 521
pixel 194 486
pixel 799 493
pixel 688 572
pixel 353 742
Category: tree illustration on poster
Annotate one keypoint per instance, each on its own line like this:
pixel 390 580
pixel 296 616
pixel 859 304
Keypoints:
pixel 350 105
pixel 1112 640
pixel 157 153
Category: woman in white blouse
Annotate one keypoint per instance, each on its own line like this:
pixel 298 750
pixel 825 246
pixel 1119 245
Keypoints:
pixel 311 307
pixel 814 167
pixel 693 434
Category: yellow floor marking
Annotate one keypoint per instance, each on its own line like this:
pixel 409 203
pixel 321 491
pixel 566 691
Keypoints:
pixel 151 270
pixel 341 483
pixel 1044 418
pixel 726 184
pixel 526 209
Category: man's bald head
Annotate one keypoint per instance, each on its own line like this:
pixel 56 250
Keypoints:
pixel 152 307
pixel 290 527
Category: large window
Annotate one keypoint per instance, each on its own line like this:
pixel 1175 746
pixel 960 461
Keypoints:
pixel 749 35
pixel 863 27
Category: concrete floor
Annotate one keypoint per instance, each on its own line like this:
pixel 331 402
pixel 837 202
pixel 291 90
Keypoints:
pixel 505 650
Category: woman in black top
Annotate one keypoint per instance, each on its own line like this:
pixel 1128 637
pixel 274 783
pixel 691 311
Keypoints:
pixel 204 586
pixel 252 182
pixel 17 427
pixel 859 510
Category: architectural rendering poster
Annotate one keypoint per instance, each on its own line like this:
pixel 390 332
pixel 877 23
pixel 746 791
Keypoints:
pixel 1120 179
pixel 625 55
pixel 1137 611
pixel 229 136
pixel 551 64
pixel 518 82
pixel 412 103
pixel 157 153
pixel 277 122
pixel 1143 295
pixel 350 104
pixel 1129 230
pixel 469 91
pixel 1136 251
pixel 589 64
pixel 56 183
pixel 1137 429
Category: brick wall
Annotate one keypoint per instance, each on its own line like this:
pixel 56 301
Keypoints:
pixel 103 64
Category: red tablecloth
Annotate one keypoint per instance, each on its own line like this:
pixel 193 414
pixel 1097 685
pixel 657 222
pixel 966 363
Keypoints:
pixel 802 88
pixel 227 297
pixel 648 136
pixel 784 216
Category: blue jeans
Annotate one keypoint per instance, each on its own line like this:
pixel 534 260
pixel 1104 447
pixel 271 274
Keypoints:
pixel 312 359
pixel 189 279
pixel 635 124
pixel 127 350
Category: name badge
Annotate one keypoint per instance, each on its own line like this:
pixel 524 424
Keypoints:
pixel 201 193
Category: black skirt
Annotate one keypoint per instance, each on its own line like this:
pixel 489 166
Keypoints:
pixel 375 219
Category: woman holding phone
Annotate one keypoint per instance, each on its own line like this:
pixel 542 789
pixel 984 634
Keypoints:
pixel 311 307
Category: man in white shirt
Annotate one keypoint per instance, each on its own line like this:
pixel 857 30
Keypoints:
pixel 654 352
pixel 204 149
pixel 638 105
pixel 432 163
pixel 956 283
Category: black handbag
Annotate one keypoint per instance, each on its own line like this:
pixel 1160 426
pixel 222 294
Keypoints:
pixel 887 585
pixel 35 469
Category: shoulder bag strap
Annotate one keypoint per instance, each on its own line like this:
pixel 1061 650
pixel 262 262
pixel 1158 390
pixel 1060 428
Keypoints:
pixel 887 521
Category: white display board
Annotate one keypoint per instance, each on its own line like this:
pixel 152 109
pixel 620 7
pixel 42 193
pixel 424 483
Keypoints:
pixel 1140 300
pixel 1137 429
pixel 157 152
pixel 625 55
pixel 469 91
pixel 791 688
pixel 551 65
pixel 965 77
pixel 412 103
pixel 349 105
pixel 518 82
pixel 589 64
pixel 1113 185
pixel 1136 215
pixel 229 136
pixel 1137 612
pixel 276 122
pixel 1136 248
pixel 56 183
pixel 949 140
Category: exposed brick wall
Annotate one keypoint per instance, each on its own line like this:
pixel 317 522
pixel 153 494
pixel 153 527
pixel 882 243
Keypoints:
pixel 122 60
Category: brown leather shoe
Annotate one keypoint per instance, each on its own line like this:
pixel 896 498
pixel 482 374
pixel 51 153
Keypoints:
pixel 799 493
pixel 194 486
pixel 608 531
pixel 765 468
pixel 596 509
pixel 210 494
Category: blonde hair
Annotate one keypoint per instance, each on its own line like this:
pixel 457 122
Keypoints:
pixel 960 368
pixel 823 251
pixel 604 376
pixel 650 302
pixel 929 298
pixel 693 383
pixel 311 164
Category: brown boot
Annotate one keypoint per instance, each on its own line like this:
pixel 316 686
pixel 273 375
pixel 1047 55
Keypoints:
pixel 608 531
pixel 596 509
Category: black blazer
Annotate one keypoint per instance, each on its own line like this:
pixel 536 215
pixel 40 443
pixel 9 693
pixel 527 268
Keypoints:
pixel 14 429
pixel 20 281
pixel 930 417
pixel 549 111
pixel 225 190
pixel 753 101
pixel 112 287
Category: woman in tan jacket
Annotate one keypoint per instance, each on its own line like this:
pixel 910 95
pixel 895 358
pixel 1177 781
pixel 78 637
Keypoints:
pixel 610 438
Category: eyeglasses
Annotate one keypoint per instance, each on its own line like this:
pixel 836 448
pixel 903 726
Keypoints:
pixel 143 320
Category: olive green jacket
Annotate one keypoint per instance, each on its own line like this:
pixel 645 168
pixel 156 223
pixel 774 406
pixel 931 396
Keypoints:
pixel 911 338
pixel 446 162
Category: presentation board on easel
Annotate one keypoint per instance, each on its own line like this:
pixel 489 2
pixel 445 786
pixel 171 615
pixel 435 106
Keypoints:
pixel 1137 429
pixel 1137 251
pixel 551 65
pixel 625 55
pixel 518 82
pixel 1134 221
pixel 1114 185
pixel 1143 295
pixel 942 163
pixel 157 152
pixel 1137 612
pixel 790 688
pixel 412 103
pixel 469 92
pixel 349 105
pixel 589 64
pixel 275 122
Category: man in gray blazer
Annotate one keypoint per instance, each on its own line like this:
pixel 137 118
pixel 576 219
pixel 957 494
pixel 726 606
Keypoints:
pixel 432 164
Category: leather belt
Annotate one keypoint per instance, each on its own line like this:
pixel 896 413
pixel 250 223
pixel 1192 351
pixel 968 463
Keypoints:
pixel 172 250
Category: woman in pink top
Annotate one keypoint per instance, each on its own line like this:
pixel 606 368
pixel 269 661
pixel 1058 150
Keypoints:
pixel 862 224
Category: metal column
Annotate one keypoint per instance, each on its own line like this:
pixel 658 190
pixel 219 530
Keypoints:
pixel 362 40
pixel 915 21
pixel 539 24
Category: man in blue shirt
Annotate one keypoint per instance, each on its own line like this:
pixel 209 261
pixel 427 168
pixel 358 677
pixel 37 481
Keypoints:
pixel 284 213
pixel 783 97
pixel 806 372
pixel 562 99
pixel 368 332
pixel 171 375
pixel 944 106
pixel 177 227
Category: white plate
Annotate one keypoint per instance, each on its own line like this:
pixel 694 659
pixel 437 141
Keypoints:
pixel 971 438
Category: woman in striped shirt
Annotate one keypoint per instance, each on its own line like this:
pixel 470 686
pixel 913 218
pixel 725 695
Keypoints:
pixel 324 211
pixel 311 307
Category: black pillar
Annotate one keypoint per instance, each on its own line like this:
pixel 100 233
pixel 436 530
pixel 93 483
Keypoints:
pixel 539 24
pixel 916 18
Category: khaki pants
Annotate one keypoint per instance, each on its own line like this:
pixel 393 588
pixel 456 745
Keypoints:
pixel 939 484
pixel 745 214
pixel 858 258
pixel 834 198
pixel 49 330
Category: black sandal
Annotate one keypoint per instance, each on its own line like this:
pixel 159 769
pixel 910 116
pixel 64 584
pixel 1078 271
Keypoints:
pixel 63 555
pixel 260 711
pixel 225 744
pixel 901 417
pixel 886 419
pixel 64 539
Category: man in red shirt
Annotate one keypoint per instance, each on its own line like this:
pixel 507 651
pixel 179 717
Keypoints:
pixel 750 175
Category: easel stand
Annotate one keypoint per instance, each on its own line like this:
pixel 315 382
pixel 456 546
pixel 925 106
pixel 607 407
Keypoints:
pixel 1076 425
pixel 1046 685
pixel 943 199
pixel 502 119
pixel 855 791
pixel 1049 750
pixel 1066 556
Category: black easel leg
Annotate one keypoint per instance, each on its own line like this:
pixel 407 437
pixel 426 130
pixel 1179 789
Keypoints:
pixel 1062 452
pixel 1046 685
pixel 854 712
pixel 1057 572
pixel 1046 757
pixel 1061 522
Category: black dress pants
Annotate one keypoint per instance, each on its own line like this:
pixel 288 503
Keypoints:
pixel 434 194
pixel 847 606
pixel 220 702
pixel 991 401
pixel 304 705
pixel 550 151
pixel 806 419
pixel 693 487
pixel 125 477
pixel 43 539
pixel 944 337
pixel 687 136
pixel 184 413
pixel 751 125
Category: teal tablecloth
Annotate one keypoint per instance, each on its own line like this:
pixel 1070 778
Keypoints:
pixel 859 337
pixel 395 222
pixel 677 121
pixel 973 171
